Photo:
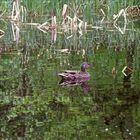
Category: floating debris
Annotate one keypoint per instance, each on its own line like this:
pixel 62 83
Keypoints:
pixel 106 129
pixel 122 12
pixel 114 71
pixel 126 71
pixel 43 27
pixel 83 53
pixel 15 31
pixel 127 130
pixel 1 33
pixel 133 11
pixel 63 50
pixel 19 12
pixel 70 36
pixel 104 15
pixel 2 13
pixel 130 133
pixel 64 12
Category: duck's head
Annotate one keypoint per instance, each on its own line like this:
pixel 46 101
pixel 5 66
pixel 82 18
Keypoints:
pixel 84 66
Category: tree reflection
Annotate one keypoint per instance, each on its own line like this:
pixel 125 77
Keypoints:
pixel 127 95
pixel 24 85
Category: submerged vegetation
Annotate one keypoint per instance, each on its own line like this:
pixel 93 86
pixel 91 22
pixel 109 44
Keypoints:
pixel 40 38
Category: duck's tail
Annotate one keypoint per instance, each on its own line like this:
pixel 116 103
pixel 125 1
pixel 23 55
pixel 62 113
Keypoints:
pixel 62 75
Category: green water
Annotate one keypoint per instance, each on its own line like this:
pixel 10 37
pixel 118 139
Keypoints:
pixel 34 106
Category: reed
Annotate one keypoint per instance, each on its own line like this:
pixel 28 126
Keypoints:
pixel 67 16
pixel 41 10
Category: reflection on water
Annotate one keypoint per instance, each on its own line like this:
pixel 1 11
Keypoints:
pixel 84 84
pixel 34 106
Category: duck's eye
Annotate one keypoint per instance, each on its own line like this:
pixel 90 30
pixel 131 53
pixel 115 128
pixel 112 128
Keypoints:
pixel 84 66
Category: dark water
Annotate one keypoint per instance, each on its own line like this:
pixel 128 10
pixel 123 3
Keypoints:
pixel 34 106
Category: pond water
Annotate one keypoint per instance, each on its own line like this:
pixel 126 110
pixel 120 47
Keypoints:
pixel 34 106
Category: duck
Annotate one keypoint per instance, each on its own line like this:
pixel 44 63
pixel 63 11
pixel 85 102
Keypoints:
pixel 73 76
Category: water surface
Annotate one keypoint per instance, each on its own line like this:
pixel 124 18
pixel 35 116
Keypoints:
pixel 34 106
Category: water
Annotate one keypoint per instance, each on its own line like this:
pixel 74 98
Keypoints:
pixel 34 106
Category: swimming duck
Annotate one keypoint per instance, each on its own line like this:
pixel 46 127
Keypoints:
pixel 76 76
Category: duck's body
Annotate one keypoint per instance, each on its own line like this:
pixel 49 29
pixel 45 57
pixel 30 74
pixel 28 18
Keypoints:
pixel 76 76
